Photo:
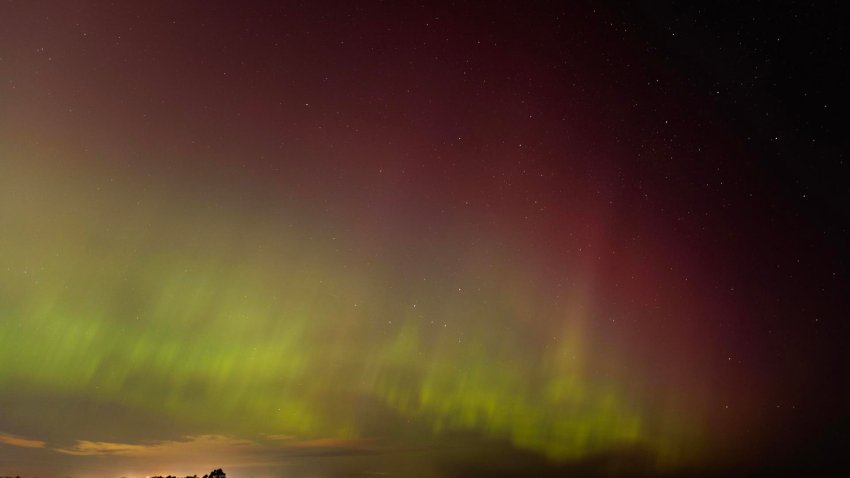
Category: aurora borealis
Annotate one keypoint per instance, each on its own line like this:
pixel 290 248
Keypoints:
pixel 351 239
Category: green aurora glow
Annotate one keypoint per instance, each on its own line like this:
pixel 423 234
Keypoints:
pixel 153 300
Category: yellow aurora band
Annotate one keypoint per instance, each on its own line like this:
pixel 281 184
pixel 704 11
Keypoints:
pixel 177 303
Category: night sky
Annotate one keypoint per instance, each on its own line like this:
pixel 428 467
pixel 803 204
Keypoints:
pixel 320 239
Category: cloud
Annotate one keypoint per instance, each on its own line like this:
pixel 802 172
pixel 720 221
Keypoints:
pixel 190 446
pixel 218 445
pixel 333 443
pixel 290 441
pixel 293 446
pixel 21 442
pixel 192 454
pixel 85 447
pixel 281 437
pixel 180 457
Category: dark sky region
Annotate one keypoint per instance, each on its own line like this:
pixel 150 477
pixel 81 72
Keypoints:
pixel 319 239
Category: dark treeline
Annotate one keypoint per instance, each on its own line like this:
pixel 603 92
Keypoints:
pixel 218 473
